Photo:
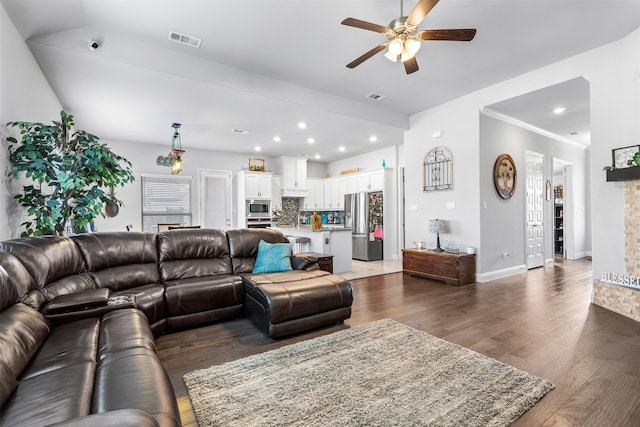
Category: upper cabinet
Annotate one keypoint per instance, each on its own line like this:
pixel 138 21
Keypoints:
pixel 276 193
pixel 315 200
pixel 371 181
pixel 257 185
pixel 293 171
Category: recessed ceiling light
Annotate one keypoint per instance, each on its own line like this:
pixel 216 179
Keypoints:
pixel 559 110
pixel 317 156
pixel 302 125
pixel 373 138
pixel 276 139
pixel 341 148
pixel 258 148
pixel 311 140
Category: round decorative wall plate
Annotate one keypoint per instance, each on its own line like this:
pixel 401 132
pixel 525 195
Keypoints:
pixel 504 176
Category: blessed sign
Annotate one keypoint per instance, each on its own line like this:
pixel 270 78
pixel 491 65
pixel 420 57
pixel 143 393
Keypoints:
pixel 627 280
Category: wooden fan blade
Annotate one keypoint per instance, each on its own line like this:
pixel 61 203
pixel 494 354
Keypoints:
pixel 353 22
pixel 462 35
pixel 411 65
pixel 420 11
pixel 361 59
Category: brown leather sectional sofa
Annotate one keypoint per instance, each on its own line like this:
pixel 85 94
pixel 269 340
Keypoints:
pixel 79 314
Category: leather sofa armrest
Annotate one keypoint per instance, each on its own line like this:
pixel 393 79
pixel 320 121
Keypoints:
pixel 304 262
pixel 78 301
pixel 118 418
pixel 113 303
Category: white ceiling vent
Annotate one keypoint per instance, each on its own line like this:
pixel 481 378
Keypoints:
pixel 376 96
pixel 184 39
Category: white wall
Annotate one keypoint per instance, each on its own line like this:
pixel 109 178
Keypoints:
pixel 25 95
pixel 613 72
pixel 504 220
pixel 367 161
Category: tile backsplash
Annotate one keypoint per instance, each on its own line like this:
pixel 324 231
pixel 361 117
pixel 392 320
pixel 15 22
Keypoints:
pixel 292 214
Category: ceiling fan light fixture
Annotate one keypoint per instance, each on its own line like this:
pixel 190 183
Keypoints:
pixel 406 56
pixel 412 46
pixel 396 46
pixel 391 56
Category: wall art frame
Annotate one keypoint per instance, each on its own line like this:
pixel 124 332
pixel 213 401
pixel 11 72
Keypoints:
pixel 437 170
pixel 505 176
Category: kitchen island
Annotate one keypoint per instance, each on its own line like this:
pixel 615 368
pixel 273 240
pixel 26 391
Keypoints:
pixel 332 240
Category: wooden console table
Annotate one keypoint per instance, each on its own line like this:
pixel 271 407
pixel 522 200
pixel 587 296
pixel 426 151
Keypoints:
pixel 453 269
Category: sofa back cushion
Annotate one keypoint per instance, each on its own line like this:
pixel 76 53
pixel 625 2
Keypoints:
pixel 243 246
pixel 193 253
pixel 120 260
pixel 18 285
pixel 54 262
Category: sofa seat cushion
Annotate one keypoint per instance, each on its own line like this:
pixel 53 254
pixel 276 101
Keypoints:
pixel 296 294
pixel 135 378
pixel 51 397
pixel 69 344
pixel 198 294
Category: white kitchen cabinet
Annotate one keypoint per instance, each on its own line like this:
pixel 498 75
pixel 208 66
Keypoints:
pixel 315 200
pixel 293 171
pixel 257 185
pixel 376 180
pixel 276 193
pixel 371 181
pixel 352 184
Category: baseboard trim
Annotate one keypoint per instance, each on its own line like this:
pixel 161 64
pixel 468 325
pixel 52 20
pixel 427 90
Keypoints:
pixel 579 255
pixel 498 274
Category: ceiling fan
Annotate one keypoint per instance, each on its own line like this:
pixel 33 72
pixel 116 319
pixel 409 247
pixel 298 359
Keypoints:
pixel 404 37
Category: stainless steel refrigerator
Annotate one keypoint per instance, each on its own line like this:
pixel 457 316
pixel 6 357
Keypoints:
pixel 363 214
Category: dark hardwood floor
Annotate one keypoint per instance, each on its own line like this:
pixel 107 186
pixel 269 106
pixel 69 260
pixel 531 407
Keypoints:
pixel 541 322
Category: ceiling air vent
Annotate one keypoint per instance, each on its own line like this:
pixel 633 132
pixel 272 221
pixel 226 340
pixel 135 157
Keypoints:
pixel 376 96
pixel 184 39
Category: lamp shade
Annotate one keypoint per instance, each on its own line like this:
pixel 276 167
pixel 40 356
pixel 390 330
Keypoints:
pixel 438 226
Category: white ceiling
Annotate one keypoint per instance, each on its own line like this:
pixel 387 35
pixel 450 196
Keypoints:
pixel 265 65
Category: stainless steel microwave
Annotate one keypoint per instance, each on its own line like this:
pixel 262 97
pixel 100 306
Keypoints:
pixel 258 208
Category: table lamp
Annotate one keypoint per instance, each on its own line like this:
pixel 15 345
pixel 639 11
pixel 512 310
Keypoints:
pixel 438 226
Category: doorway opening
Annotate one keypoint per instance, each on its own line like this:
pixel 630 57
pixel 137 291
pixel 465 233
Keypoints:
pixel 562 209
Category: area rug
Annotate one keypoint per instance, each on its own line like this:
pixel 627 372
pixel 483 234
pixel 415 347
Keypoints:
pixel 382 373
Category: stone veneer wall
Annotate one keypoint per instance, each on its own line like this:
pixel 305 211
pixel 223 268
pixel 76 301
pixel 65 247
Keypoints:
pixel 622 300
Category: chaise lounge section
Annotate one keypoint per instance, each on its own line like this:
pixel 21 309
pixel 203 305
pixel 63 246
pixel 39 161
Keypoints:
pixel 79 314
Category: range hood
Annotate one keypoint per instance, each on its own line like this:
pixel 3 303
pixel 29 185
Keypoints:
pixel 289 192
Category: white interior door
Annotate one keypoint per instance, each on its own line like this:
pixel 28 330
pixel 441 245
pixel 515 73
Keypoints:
pixel 215 199
pixel 535 209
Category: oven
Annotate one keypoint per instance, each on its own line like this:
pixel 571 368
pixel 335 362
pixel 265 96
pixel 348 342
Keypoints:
pixel 258 223
pixel 259 209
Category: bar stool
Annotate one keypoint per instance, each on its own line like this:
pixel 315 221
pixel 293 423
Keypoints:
pixel 299 244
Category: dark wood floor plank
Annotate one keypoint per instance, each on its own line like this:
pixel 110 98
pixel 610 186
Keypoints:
pixel 540 321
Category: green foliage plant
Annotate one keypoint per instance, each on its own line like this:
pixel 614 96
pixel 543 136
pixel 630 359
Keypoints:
pixel 67 175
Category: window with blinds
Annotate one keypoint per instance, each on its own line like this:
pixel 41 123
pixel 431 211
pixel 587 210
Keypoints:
pixel 215 199
pixel 166 200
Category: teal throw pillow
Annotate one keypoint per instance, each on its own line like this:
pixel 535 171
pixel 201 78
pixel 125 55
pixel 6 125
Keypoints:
pixel 272 257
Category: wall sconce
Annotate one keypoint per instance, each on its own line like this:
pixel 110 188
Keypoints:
pixel 438 226
pixel 174 159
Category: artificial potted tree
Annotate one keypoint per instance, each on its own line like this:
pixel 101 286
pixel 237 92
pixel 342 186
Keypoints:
pixel 68 172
